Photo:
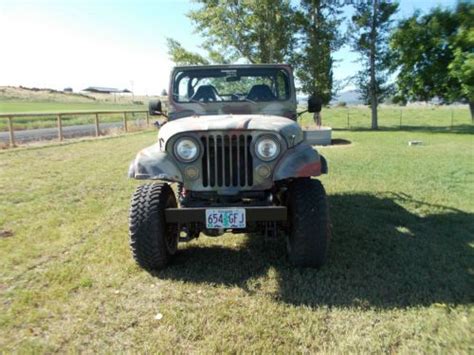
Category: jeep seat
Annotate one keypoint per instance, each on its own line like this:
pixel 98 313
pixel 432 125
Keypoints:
pixel 205 93
pixel 260 92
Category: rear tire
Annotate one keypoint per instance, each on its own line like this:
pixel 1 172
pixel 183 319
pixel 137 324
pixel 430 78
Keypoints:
pixel 152 242
pixel 308 216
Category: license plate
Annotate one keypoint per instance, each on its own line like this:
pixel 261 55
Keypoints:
pixel 225 218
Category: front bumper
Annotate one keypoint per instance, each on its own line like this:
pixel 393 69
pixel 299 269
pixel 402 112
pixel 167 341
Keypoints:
pixel 253 214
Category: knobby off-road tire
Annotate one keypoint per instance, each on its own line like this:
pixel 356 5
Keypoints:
pixel 153 242
pixel 308 216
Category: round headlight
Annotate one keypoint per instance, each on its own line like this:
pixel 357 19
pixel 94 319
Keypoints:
pixel 186 150
pixel 267 148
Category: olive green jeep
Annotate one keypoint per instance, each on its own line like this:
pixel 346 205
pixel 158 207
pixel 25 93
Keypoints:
pixel 232 148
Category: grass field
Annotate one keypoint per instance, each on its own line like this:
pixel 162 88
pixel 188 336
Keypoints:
pixel 353 117
pixel 45 122
pixel 441 118
pixel 60 106
pixel 399 277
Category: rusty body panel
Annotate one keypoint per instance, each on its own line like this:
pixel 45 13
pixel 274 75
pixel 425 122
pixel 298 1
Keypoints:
pixel 226 134
pixel 302 161
pixel 231 123
pixel 154 164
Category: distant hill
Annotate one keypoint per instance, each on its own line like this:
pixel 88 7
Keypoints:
pixel 21 93
pixel 350 97
pixel 12 93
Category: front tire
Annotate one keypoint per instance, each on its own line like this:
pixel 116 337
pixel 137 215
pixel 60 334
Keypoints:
pixel 153 242
pixel 308 217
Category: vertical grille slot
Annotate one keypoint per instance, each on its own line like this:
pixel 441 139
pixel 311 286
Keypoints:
pixel 234 160
pixel 249 162
pixel 212 161
pixel 227 171
pixel 220 161
pixel 227 161
pixel 241 159
pixel 205 162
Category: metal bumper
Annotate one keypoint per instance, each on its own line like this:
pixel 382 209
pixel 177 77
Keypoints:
pixel 252 214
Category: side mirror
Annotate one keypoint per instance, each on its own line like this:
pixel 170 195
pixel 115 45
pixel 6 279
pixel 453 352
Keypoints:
pixel 154 108
pixel 315 103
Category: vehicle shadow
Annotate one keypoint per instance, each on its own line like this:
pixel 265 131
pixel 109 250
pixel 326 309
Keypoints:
pixel 381 255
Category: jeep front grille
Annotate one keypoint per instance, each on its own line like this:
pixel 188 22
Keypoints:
pixel 227 160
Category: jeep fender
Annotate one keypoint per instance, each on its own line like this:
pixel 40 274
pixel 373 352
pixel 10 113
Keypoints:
pixel 301 161
pixel 152 163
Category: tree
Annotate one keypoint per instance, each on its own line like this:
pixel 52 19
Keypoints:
pixel 181 56
pixel 319 36
pixel 368 33
pixel 164 92
pixel 462 66
pixel 268 31
pixel 256 31
pixel 434 55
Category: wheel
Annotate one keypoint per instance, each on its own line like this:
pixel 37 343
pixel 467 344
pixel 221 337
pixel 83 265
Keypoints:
pixel 309 229
pixel 153 242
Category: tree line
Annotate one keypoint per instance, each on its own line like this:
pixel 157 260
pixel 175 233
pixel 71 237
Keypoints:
pixel 419 58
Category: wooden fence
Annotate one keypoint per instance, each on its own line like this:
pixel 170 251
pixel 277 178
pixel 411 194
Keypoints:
pixel 59 119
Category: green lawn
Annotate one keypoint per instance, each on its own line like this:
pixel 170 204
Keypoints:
pixel 393 117
pixel 44 122
pixel 399 277
pixel 444 118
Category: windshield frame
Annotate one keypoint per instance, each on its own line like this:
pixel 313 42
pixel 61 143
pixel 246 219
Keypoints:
pixel 258 71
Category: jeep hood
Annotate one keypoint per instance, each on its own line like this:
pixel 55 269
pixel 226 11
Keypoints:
pixel 289 129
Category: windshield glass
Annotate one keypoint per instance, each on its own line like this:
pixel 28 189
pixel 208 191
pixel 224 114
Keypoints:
pixel 231 85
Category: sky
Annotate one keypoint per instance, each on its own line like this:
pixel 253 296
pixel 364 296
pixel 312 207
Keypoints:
pixel 112 43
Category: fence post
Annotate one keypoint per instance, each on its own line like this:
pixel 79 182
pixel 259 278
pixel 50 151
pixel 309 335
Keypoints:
pixel 452 118
pixel 125 128
pixel 10 129
pixel 97 128
pixel 401 115
pixel 147 119
pixel 60 128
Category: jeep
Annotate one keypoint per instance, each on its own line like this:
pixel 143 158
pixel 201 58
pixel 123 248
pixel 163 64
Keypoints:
pixel 230 158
